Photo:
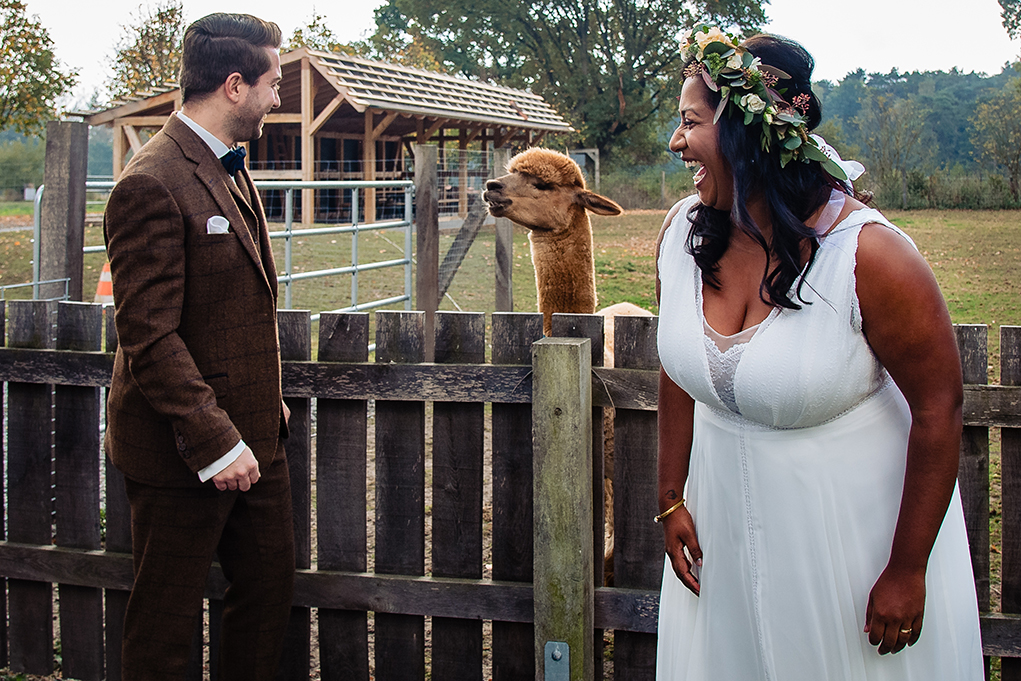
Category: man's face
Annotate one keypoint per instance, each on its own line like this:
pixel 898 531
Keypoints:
pixel 259 100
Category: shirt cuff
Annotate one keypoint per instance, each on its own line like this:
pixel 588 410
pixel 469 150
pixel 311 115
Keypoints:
pixel 224 461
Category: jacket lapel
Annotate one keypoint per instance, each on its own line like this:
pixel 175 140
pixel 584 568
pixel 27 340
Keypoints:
pixel 209 171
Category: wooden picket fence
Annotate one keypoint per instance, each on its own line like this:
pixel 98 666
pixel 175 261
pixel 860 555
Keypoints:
pixel 374 582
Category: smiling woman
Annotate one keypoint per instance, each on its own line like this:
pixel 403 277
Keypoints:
pixel 809 403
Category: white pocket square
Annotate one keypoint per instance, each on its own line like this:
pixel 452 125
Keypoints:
pixel 217 225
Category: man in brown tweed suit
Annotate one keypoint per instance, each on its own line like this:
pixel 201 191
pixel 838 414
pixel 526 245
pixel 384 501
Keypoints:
pixel 195 413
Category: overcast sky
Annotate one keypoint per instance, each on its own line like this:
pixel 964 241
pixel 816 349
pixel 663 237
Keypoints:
pixel 876 35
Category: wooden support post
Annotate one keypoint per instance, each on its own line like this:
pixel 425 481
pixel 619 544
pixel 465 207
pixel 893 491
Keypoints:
pixel 296 345
pixel 369 166
pixel 562 440
pixel 308 155
pixel 118 150
pixel 63 208
pixel 427 229
pixel 30 491
pixel 76 466
pixel 504 244
pixel 1010 476
pixel 462 172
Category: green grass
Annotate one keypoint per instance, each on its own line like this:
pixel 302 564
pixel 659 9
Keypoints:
pixel 16 207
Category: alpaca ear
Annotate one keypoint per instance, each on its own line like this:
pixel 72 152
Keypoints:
pixel 600 205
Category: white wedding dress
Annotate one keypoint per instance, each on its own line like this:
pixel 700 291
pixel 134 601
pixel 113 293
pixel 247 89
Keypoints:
pixel 795 495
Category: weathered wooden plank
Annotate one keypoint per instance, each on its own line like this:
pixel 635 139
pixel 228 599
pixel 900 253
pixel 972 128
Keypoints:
pixel 30 488
pixel 400 497
pixel 984 405
pixel 1010 481
pixel 638 542
pixel 1001 636
pixel 76 467
pixel 973 468
pixel 564 566
pixel 341 438
pixel 513 642
pixel 427 234
pixel 295 329
pixel 62 209
pixel 592 326
pixel 118 537
pixel 458 448
pixel 504 246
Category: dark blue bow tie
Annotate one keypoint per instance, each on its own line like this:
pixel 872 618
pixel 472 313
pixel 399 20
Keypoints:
pixel 233 160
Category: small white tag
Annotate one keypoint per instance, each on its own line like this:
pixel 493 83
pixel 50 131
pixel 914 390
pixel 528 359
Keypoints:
pixel 217 225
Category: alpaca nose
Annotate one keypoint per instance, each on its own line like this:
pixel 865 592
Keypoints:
pixel 494 185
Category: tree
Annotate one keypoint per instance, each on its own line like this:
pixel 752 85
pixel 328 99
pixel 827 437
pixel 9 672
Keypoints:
pixel 997 132
pixel 31 77
pixel 149 52
pixel 317 36
pixel 609 67
pixel 21 162
pixel 894 135
pixel 1010 12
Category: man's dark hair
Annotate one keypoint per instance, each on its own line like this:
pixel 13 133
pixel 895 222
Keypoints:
pixel 220 44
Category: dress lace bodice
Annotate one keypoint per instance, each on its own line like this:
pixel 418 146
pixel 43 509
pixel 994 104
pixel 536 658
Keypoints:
pixel 800 368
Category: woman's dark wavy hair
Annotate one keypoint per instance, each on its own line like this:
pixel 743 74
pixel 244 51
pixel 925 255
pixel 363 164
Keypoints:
pixel 791 193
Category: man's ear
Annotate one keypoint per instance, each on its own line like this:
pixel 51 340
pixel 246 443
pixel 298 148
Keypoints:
pixel 232 87
pixel 600 205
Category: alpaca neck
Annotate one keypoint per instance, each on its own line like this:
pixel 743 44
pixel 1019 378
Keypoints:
pixel 564 272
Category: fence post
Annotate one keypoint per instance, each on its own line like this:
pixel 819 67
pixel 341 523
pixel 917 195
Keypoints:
pixel 564 585
pixel 427 228
pixel 30 489
pixel 1010 476
pixel 76 462
pixel 504 244
pixel 62 229
pixel 973 469
pixel 295 329
pixel 4 661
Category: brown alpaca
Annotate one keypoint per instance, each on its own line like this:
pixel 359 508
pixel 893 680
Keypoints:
pixel 545 192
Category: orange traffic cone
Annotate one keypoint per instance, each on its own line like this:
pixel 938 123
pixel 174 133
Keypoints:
pixel 104 289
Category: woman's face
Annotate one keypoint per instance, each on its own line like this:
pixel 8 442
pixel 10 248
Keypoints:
pixel 696 139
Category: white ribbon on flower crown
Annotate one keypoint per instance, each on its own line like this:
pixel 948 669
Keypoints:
pixel 852 168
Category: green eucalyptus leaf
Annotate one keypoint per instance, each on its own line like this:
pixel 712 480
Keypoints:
pixel 783 75
pixel 747 59
pixel 719 109
pixel 834 170
pixel 748 117
pixel 815 153
pixel 792 142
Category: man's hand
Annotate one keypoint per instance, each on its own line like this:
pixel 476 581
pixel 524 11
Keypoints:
pixel 241 474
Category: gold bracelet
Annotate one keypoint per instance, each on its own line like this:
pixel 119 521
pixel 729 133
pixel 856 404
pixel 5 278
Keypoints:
pixel 664 514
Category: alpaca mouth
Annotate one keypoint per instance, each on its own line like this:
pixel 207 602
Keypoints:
pixel 496 204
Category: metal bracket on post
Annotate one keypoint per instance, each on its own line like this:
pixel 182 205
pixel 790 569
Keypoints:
pixel 558 661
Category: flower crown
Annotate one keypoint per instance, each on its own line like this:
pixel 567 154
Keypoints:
pixel 750 86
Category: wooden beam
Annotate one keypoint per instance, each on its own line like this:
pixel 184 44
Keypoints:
pixel 133 138
pixel 503 138
pixel 369 165
pixel 144 121
pixel 111 115
pixel 118 151
pixel 473 133
pixel 326 113
pixel 383 125
pixel 283 118
pixel 308 148
pixel 538 138
pixel 431 130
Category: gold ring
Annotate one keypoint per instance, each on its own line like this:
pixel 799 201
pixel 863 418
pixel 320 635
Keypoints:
pixel 905 631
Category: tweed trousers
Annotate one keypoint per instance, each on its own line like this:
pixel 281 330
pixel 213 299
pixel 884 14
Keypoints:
pixel 176 533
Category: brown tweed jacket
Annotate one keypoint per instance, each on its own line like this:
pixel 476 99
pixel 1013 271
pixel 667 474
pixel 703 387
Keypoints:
pixel 198 362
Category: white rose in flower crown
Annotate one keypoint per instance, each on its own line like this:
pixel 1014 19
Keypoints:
pixel 714 35
pixel 767 116
pixel 752 102
pixel 735 61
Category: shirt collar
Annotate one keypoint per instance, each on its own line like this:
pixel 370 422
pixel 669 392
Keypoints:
pixel 218 147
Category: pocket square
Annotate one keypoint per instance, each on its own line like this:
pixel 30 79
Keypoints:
pixel 217 225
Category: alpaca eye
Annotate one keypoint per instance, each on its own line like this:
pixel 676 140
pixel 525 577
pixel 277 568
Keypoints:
pixel 543 187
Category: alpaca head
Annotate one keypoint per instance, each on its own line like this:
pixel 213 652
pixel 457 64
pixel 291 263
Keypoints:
pixel 544 191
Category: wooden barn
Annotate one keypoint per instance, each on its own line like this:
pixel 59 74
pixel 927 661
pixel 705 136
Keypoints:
pixel 347 118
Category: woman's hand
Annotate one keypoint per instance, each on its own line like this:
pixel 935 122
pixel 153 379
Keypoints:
pixel 679 529
pixel 893 618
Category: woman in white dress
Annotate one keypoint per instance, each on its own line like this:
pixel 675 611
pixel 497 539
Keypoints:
pixel 809 404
